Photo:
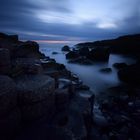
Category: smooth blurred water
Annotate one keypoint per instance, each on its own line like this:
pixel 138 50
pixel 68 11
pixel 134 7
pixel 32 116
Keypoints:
pixel 90 75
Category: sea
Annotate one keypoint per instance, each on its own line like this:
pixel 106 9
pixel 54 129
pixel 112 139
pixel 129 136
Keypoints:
pixel 90 74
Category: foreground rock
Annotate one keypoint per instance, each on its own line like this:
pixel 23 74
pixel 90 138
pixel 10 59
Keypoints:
pixel 5 61
pixel 36 96
pixel 28 49
pixel 10 115
pixel 122 113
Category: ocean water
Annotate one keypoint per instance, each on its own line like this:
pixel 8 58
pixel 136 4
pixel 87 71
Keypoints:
pixel 90 74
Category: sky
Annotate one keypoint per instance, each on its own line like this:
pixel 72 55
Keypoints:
pixel 66 21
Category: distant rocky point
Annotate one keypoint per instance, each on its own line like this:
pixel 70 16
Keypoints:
pixel 129 44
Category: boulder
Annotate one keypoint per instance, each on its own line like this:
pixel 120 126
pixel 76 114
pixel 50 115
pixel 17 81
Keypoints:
pixel 54 53
pixel 22 66
pixel 36 96
pixel 29 49
pixel 119 65
pixel 66 48
pixel 82 87
pixel 13 38
pixel 8 95
pixel 84 51
pixel 61 99
pixel 99 54
pixel 36 110
pixel 35 69
pixel 72 55
pixel 50 63
pixel 106 70
pixel 5 62
pixel 130 74
pixel 81 60
pixel 9 124
pixel 34 88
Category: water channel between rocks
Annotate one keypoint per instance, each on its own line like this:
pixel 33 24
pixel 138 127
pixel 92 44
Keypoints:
pixel 90 74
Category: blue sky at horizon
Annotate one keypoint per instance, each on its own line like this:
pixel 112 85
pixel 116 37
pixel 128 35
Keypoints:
pixel 66 21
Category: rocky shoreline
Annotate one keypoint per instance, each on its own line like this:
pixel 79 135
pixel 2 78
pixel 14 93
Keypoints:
pixel 35 88
pixel 41 99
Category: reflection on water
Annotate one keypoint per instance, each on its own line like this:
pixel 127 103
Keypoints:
pixel 91 75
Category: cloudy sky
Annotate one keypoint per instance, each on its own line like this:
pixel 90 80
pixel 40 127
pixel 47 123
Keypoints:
pixel 64 21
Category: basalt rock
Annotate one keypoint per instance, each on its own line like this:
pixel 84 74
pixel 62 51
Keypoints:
pixel 29 49
pixel 119 65
pixel 99 54
pixel 130 74
pixel 106 70
pixel 72 55
pixel 36 96
pixel 84 51
pixel 10 115
pixel 8 95
pixel 5 61
pixel 66 48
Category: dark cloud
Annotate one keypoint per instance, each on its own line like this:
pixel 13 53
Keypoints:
pixel 20 17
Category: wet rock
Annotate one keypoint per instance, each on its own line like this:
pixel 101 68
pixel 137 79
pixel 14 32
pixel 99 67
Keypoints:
pixel 26 66
pixel 106 70
pixel 99 54
pixel 81 60
pixel 64 83
pixel 83 87
pixel 28 49
pixel 34 88
pixel 66 48
pixel 54 53
pixel 46 132
pixel 34 69
pixel 14 38
pixel 119 65
pixel 36 96
pixel 36 110
pixel 130 74
pixel 72 55
pixel 9 124
pixel 84 51
pixel 99 118
pixel 5 61
pixel 8 95
pixel 49 63
pixel 61 99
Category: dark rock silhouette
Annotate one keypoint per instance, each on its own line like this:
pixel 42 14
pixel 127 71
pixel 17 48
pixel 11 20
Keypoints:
pixel 72 55
pixel 86 56
pixel 119 65
pixel 125 44
pixel 130 74
pixel 99 54
pixel 106 70
pixel 84 51
pixel 66 48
